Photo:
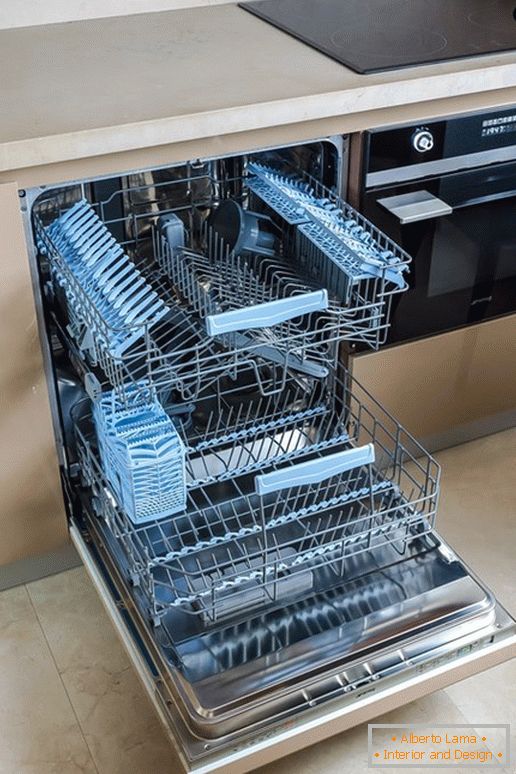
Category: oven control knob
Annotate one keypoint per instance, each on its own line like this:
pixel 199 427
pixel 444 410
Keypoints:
pixel 423 140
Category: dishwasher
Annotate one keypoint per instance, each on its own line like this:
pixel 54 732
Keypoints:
pixel 260 530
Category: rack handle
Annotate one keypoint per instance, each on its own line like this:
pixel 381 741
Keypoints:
pixel 266 315
pixel 314 471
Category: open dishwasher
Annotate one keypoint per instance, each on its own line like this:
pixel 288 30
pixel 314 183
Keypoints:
pixel 260 529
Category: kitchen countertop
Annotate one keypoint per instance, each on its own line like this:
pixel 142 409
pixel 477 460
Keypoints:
pixel 82 89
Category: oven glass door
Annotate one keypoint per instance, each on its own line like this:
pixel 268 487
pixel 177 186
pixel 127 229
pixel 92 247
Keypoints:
pixel 464 267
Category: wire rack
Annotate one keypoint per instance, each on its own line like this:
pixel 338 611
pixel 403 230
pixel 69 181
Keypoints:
pixel 182 348
pixel 356 261
pixel 275 509
pixel 262 306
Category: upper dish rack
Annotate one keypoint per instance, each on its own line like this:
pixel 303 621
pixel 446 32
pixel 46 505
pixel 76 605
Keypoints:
pixel 265 308
pixel 270 318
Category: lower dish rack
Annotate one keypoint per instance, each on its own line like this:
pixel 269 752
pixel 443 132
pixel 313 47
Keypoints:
pixel 275 508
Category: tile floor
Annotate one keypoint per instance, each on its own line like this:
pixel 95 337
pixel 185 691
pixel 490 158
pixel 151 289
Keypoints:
pixel 70 702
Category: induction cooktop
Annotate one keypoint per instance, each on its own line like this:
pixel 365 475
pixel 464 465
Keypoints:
pixel 374 35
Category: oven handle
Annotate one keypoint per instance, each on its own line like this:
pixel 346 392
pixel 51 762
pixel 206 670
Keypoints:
pixel 415 206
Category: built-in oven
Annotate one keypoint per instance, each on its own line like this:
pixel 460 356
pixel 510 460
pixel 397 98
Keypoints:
pixel 446 191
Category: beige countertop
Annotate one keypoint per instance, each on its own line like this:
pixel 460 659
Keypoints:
pixel 82 89
pixel 33 12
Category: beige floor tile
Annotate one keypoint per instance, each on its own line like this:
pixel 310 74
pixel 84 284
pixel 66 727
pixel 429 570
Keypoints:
pixel 15 605
pixel 118 722
pixel 489 697
pixel 477 513
pixel 39 733
pixel 74 619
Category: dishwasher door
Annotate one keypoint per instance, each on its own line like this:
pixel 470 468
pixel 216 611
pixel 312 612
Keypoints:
pixel 401 633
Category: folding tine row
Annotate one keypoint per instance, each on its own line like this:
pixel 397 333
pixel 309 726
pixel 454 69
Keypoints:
pixel 117 289
pixel 332 226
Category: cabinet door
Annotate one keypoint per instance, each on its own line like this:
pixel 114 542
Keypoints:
pixel 32 517
pixel 450 388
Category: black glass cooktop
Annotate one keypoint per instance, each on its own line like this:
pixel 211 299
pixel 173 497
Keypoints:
pixel 374 35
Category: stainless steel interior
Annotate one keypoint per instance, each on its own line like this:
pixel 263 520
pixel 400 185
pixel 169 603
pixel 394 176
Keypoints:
pixel 237 675
pixel 375 594
pixel 384 631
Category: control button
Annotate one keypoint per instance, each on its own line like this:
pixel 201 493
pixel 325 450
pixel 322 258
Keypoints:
pixel 423 140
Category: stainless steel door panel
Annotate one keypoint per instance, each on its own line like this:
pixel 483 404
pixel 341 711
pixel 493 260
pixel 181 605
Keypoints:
pixel 425 620
pixel 403 661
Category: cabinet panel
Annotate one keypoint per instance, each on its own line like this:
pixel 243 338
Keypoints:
pixel 32 518
pixel 449 388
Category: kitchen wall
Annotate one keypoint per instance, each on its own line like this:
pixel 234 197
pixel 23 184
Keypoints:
pixel 34 12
